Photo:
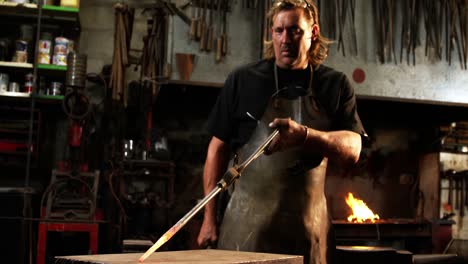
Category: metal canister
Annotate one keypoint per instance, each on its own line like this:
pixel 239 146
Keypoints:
pixel 18 1
pixel 70 3
pixel 61 46
pixel 76 72
pixel 21 56
pixel 60 60
pixel 4 78
pixel 14 87
pixel 55 88
pixel 71 46
pixel 60 51
pixel 21 53
pixel 28 83
pixel 45 47
pixel 21 45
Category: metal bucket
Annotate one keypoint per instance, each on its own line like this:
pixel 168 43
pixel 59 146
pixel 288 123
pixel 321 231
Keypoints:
pixel 76 72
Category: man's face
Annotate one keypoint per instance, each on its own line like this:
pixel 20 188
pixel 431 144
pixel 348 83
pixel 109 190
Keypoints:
pixel 292 36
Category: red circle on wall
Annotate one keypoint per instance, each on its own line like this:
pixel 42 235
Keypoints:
pixel 359 75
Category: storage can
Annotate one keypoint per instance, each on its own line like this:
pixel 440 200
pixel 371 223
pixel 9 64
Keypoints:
pixel 45 47
pixel 55 88
pixel 14 87
pixel 21 53
pixel 4 82
pixel 60 51
pixel 28 83
pixel 61 46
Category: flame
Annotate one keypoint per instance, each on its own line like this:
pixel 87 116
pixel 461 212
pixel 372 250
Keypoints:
pixel 361 213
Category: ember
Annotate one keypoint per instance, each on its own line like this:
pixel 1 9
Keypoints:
pixel 361 213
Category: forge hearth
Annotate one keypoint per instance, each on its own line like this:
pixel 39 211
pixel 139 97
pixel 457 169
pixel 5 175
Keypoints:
pixel 403 234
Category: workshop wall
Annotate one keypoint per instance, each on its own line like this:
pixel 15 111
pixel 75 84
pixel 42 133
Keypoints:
pixel 428 80
pixel 397 144
pixel 98 27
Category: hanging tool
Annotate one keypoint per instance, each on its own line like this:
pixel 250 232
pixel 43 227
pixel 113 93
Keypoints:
pixel 462 195
pixel 154 46
pixel 391 48
pixel 454 37
pixel 342 11
pixel 201 19
pixel 193 23
pixel 462 19
pixel 174 10
pixel 450 189
pixel 197 17
pixel 377 9
pixel 404 30
pixel 229 177
pixel 328 16
pixel 209 30
pixel 465 178
pixel 202 27
pixel 225 36
pixel 167 72
pixel 123 32
pixel 353 28
pixel 414 28
pixel 219 38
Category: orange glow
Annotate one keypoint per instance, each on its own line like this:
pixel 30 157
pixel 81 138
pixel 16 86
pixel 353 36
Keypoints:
pixel 361 213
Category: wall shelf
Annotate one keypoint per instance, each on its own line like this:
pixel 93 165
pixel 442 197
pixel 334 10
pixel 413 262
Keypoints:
pixel 16 64
pixel 49 12
pixel 41 98
pixel 49 97
pixel 51 67
pixel 15 94
pixel 16 5
pixel 61 8
pixel 194 83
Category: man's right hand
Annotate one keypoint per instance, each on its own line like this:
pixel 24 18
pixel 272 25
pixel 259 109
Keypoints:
pixel 208 236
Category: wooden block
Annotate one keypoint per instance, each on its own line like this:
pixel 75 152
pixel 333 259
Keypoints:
pixel 186 257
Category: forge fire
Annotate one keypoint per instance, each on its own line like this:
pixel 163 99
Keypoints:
pixel 360 212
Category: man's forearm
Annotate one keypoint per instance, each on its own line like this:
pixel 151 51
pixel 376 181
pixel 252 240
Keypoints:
pixel 215 166
pixel 342 146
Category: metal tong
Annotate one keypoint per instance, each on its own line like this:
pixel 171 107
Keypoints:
pixel 228 178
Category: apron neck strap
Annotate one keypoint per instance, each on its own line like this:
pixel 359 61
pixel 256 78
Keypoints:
pixel 275 70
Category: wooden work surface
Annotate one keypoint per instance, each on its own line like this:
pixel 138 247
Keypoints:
pixel 186 257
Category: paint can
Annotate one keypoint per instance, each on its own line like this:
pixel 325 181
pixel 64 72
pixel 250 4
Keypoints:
pixel 76 72
pixel 21 45
pixel 44 51
pixel 71 46
pixel 45 48
pixel 4 78
pixel 28 84
pixel 70 3
pixel 60 51
pixel 55 88
pixel 19 1
pixel 21 53
pixel 14 87
pixel 61 46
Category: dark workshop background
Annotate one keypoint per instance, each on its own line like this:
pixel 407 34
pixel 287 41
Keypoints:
pixel 407 65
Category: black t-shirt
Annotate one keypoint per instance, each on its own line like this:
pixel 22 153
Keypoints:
pixel 248 89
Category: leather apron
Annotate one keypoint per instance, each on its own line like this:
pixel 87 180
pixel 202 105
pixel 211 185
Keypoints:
pixel 278 204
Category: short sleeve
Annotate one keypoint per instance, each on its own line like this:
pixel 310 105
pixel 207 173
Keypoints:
pixel 347 117
pixel 221 120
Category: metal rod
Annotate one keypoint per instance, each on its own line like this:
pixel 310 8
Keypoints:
pixel 258 152
pixel 181 223
pixel 228 178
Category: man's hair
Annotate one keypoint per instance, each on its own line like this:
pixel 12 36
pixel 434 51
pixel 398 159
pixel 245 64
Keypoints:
pixel 319 49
